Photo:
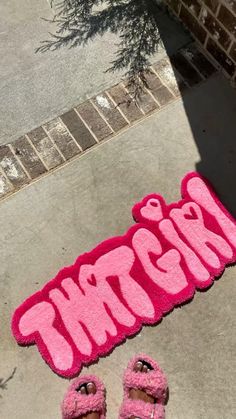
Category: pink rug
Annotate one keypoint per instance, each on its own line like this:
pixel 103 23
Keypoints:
pixel 131 280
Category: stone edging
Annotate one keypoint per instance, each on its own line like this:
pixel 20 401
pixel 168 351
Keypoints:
pixel 97 119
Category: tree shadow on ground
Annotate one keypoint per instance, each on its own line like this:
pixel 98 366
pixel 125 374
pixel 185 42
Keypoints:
pixel 143 26
pixel 140 24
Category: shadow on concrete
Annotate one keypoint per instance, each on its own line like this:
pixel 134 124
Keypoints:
pixel 143 26
pixel 211 112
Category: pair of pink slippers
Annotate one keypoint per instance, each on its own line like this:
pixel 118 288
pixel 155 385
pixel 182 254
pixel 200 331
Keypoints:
pixel 154 383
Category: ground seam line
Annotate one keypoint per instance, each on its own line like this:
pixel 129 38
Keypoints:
pixel 70 134
pixel 87 126
pixel 101 115
pixel 53 142
pixel 117 107
pixel 36 151
pixel 19 161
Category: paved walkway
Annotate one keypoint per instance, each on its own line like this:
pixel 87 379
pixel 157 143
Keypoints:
pixel 35 88
pixel 50 222
pixel 99 118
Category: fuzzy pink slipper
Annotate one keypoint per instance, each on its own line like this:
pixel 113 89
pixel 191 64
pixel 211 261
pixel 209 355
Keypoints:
pixel 154 383
pixel 76 404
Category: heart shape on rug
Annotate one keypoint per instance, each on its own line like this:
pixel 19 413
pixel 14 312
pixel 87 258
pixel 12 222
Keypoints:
pixel 152 210
pixel 190 213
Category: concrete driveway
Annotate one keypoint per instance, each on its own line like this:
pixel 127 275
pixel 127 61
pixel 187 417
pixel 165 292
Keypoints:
pixel 34 88
pixel 49 223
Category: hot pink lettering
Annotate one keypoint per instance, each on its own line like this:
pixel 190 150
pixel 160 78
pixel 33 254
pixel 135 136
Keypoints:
pixel 200 193
pixel 197 269
pixel 80 307
pixel 39 319
pixel 190 222
pixel 119 263
pixel 167 273
pixel 152 210
pixel 78 310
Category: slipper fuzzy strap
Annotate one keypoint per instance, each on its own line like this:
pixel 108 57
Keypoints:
pixel 142 410
pixel 153 382
pixel 76 404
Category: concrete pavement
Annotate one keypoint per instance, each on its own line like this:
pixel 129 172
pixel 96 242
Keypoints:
pixel 34 88
pixel 49 223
